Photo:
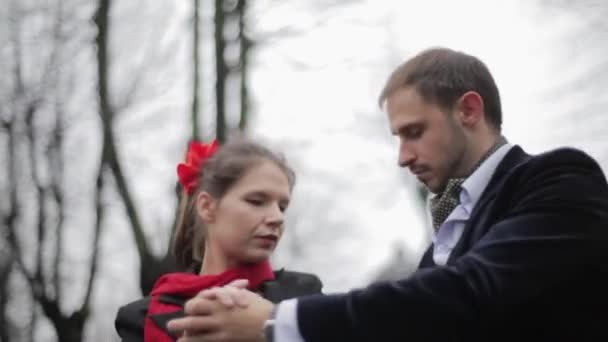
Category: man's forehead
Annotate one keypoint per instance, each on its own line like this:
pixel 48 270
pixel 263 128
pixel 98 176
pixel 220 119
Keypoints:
pixel 401 120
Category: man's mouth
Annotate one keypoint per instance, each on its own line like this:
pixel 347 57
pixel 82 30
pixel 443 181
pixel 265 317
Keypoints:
pixel 418 171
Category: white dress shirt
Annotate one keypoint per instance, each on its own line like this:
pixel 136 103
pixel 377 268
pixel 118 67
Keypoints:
pixel 450 231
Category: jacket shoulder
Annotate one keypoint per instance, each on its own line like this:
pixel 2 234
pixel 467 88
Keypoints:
pixel 299 279
pixel 554 166
pixel 564 156
pixel 290 284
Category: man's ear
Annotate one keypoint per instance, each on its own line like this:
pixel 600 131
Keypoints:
pixel 206 206
pixel 470 108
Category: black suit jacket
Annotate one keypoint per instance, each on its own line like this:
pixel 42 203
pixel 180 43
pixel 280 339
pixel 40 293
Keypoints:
pixel 531 265
pixel 130 319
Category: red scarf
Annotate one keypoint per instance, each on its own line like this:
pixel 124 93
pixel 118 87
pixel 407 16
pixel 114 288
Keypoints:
pixel 187 285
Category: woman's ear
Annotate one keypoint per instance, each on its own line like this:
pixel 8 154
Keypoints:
pixel 206 206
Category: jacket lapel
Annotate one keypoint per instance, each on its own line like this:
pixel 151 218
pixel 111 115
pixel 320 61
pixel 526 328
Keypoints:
pixel 472 231
pixel 287 285
pixel 162 319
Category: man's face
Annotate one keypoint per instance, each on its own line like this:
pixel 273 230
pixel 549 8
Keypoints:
pixel 432 143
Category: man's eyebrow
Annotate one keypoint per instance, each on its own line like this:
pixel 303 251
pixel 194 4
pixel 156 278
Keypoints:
pixel 409 125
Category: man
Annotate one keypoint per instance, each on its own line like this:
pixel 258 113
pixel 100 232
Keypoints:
pixel 521 247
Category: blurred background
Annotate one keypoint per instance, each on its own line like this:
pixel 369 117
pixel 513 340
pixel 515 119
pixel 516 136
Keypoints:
pixel 99 99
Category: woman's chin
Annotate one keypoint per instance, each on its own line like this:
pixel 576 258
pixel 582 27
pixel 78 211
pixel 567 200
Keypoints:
pixel 258 255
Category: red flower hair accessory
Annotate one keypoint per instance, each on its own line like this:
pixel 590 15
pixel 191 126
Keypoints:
pixel 188 172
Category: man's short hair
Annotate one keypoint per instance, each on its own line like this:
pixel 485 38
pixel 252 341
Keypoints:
pixel 441 76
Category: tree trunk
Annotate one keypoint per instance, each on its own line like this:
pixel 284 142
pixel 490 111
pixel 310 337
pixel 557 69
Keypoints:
pixel 221 70
pixel 5 324
pixel 70 329
pixel 245 44
pixel 195 72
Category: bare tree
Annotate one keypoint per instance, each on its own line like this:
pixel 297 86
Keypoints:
pixel 35 128
pixel 225 13
pixel 34 124
pixel 152 266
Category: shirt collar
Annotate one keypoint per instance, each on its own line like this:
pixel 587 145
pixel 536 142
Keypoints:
pixel 475 184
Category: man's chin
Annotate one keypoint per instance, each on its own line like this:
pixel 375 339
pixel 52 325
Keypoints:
pixel 433 187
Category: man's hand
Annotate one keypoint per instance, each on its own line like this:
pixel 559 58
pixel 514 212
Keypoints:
pixel 208 319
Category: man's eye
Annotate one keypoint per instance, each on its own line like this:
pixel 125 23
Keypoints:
pixel 255 201
pixel 413 132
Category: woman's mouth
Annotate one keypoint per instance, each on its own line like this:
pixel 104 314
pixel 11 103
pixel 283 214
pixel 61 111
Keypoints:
pixel 268 239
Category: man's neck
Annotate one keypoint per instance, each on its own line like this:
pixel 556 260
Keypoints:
pixel 478 152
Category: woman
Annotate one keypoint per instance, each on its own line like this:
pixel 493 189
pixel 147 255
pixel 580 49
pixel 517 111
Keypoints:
pixel 230 220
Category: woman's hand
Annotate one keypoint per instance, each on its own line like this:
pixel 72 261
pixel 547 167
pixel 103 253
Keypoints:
pixel 229 313
pixel 229 295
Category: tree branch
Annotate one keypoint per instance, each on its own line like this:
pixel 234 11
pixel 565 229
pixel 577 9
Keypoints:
pixel 195 72
pixel 40 191
pixel 106 114
pixel 10 220
pixel 14 32
pixel 99 211
pixel 56 162
pixel 245 45
pixel 5 271
pixel 221 72
pixel 10 124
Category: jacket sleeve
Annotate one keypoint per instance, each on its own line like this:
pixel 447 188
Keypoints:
pixel 290 284
pixel 308 282
pixel 129 322
pixel 555 227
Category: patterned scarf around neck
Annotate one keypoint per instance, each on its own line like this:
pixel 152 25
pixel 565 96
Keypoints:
pixel 444 203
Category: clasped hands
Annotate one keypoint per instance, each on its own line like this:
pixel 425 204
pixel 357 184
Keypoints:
pixel 228 314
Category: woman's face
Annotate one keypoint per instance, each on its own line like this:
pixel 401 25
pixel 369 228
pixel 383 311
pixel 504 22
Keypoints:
pixel 245 225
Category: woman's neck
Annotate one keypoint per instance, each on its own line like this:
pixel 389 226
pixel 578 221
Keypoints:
pixel 214 262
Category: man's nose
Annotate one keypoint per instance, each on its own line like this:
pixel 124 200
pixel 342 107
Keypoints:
pixel 406 156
